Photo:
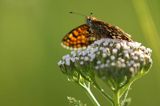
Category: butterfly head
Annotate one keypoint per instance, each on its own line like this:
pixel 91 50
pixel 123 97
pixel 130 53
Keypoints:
pixel 90 19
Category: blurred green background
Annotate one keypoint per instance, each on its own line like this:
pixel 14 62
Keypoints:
pixel 30 37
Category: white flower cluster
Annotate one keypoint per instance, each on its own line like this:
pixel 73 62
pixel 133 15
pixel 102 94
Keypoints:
pixel 109 57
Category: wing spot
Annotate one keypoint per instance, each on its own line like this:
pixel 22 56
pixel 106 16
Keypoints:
pixel 73 38
pixel 83 41
pixel 70 36
pixel 75 33
pixel 83 37
pixel 65 43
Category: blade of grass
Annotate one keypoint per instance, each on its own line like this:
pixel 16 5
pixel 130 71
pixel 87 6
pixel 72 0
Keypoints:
pixel 148 26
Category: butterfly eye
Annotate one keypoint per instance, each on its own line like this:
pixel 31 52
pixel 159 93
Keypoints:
pixel 89 20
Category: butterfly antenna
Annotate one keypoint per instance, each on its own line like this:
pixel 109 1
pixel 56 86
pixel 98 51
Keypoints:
pixel 91 13
pixel 77 13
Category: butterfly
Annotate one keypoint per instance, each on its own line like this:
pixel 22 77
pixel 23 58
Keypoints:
pixel 94 29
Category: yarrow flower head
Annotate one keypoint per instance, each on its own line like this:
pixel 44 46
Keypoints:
pixel 114 61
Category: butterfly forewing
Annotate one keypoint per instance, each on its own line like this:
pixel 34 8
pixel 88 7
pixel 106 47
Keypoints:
pixel 105 30
pixel 79 37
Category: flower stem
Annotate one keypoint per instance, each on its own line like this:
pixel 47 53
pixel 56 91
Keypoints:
pixel 86 85
pixel 103 93
pixel 92 97
pixel 116 99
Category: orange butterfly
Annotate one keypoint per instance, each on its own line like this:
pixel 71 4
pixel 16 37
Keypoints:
pixel 86 34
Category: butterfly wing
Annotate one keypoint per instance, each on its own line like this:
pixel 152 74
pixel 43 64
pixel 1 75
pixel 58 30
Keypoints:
pixel 105 30
pixel 77 38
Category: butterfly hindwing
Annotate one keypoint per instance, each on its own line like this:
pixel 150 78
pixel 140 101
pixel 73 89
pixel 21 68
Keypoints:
pixel 79 37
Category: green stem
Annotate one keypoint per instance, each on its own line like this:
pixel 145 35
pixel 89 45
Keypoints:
pixel 103 93
pixel 125 88
pixel 116 99
pixel 125 96
pixel 86 85
pixel 88 90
